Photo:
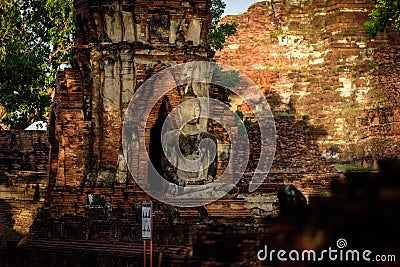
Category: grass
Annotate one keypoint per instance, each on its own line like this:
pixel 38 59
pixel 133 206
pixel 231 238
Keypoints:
pixel 288 114
pixel 358 28
pixel 280 67
pixel 275 34
pixel 353 110
pixel 373 64
pixel 344 168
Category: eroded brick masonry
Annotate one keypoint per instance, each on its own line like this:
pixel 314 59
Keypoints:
pixel 318 69
pixel 313 59
pixel 23 176
pixel 332 89
pixel 118 46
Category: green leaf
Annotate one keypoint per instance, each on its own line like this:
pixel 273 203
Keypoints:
pixel 385 14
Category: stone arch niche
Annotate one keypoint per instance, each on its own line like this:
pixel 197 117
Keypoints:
pixel 154 125
pixel 155 145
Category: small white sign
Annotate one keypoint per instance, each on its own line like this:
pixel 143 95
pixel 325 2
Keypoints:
pixel 147 220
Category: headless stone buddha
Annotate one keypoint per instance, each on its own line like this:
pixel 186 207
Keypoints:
pixel 190 156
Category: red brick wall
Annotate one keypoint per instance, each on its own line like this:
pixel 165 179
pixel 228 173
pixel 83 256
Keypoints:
pixel 380 123
pixel 25 151
pixel 23 177
pixel 117 47
pixel 315 60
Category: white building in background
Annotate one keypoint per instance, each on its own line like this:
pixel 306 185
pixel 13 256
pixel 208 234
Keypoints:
pixel 37 126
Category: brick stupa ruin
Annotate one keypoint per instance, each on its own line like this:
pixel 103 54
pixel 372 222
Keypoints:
pixel 90 196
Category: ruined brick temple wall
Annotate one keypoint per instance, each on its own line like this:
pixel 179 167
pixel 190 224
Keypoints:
pixel 23 176
pixel 319 71
pixel 380 123
pixel 23 151
pixel 313 60
pixel 118 46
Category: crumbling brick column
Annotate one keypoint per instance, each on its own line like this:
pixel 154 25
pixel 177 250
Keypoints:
pixel 118 46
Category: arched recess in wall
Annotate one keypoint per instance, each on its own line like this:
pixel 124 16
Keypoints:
pixel 155 146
